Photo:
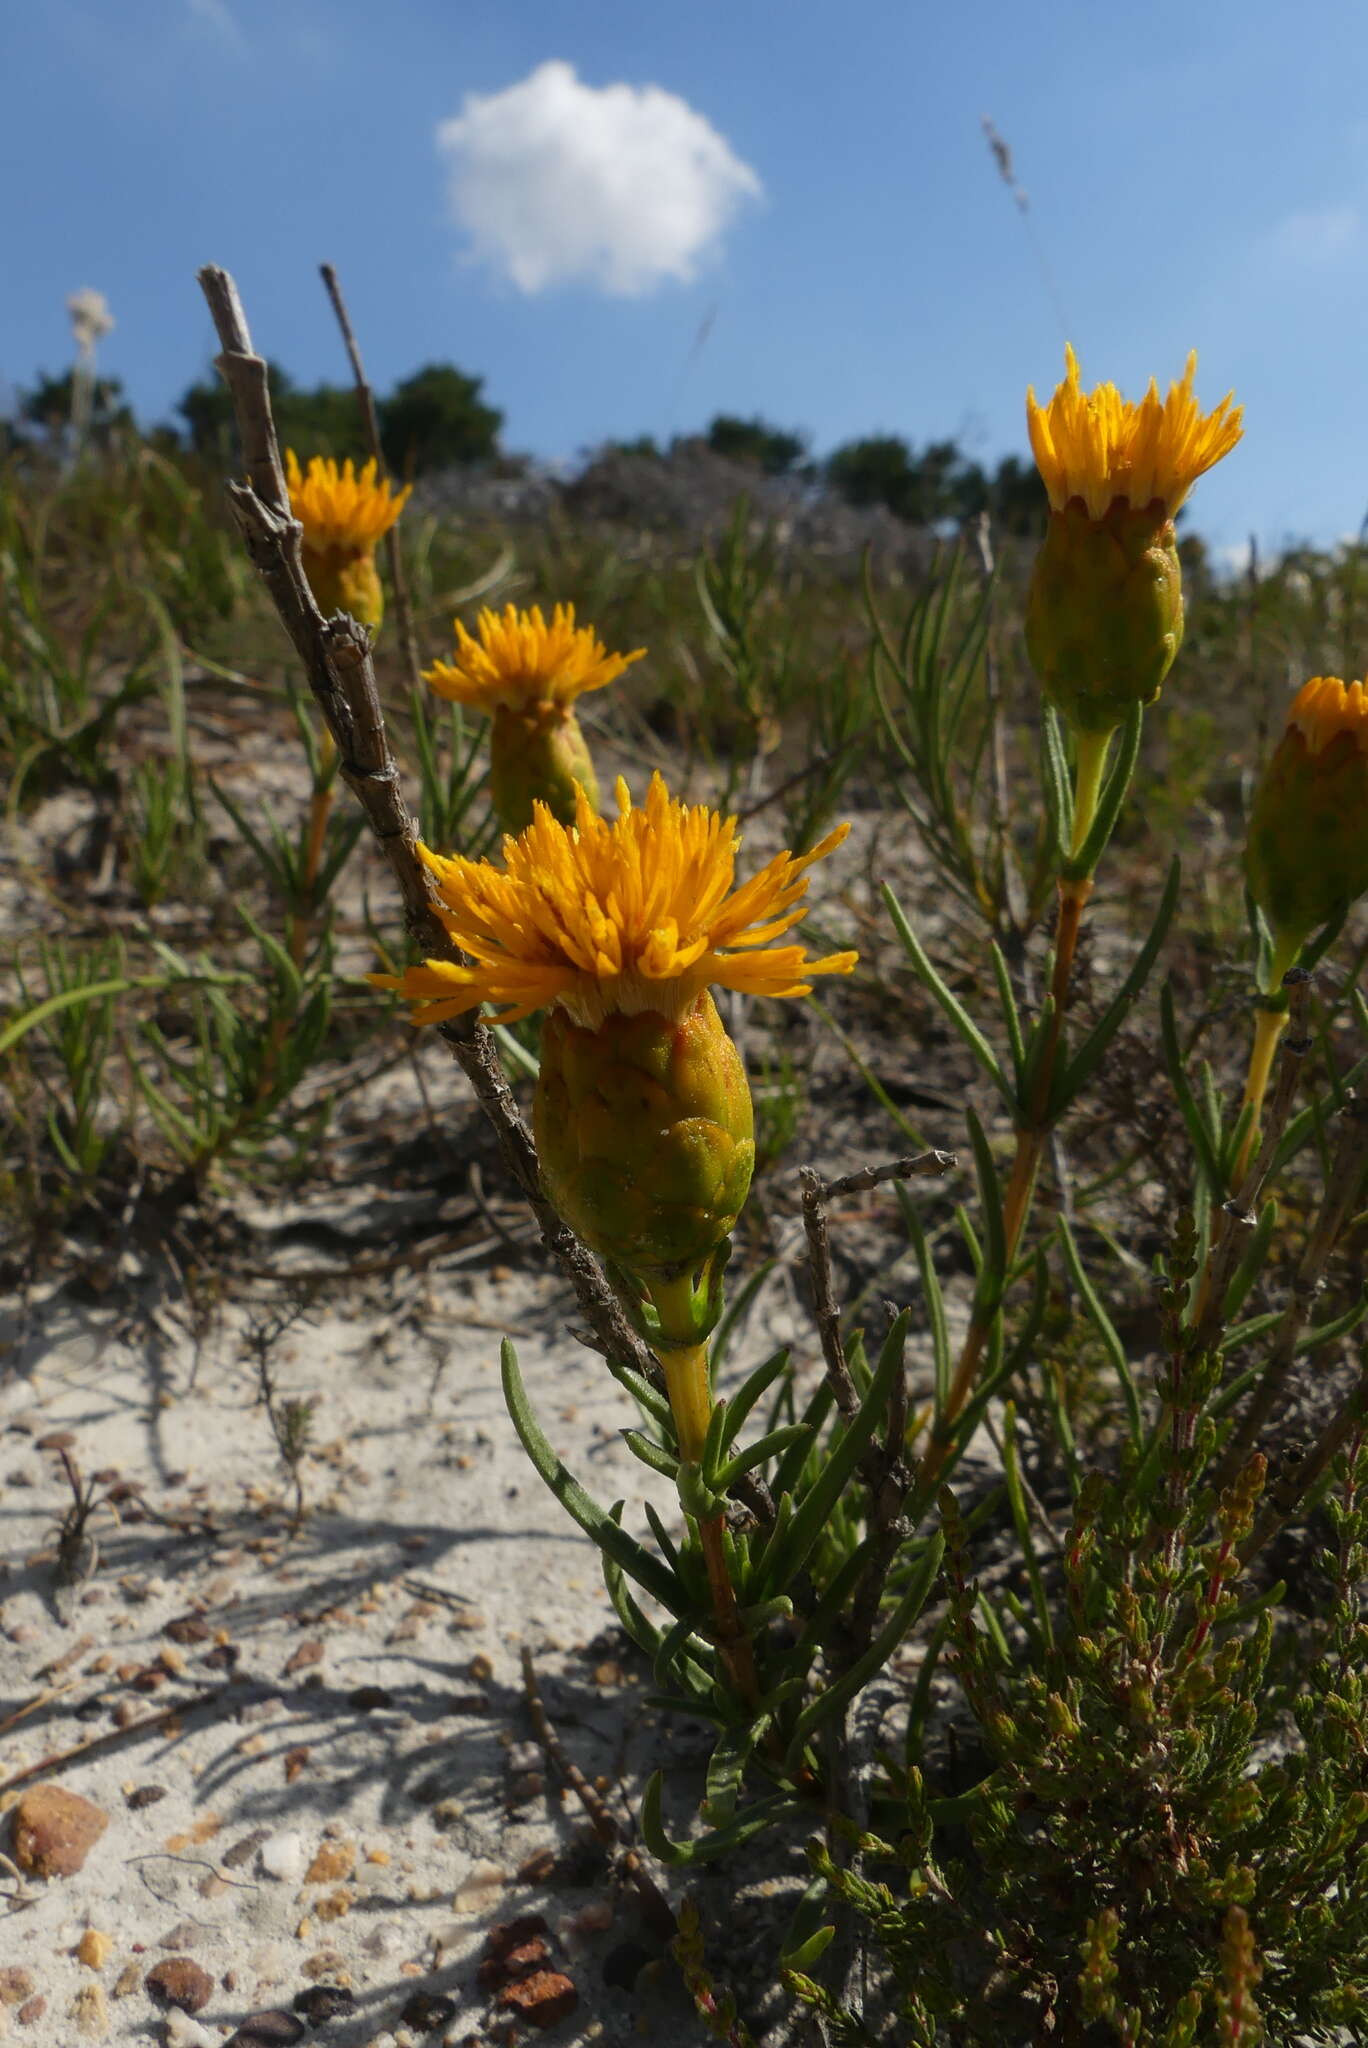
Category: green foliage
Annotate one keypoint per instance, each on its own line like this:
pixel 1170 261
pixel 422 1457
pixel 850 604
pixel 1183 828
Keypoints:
pixel 1115 1789
pixel 51 403
pixel 436 419
pixel 937 484
pixel 756 442
pixel 431 420
pixel 323 420
pixel 1146 1810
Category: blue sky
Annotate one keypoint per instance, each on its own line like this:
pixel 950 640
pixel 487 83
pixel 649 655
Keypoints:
pixel 802 219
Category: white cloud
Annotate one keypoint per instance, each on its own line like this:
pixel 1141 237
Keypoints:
pixel 618 186
pixel 1315 236
pixel 219 20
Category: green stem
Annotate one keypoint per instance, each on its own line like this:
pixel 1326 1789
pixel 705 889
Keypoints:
pixel 1268 1029
pixel 1092 760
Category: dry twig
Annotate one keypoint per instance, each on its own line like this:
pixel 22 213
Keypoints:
pixel 336 657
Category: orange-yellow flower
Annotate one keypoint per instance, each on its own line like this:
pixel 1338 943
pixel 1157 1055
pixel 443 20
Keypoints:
pixel 519 660
pixel 637 913
pixel 344 513
pixel 643 1118
pixel 1104 613
pixel 1307 854
pixel 526 675
pixel 1098 446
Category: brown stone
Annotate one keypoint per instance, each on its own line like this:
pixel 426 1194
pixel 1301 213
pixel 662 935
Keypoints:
pixel 32 2010
pixel 518 1961
pixel 55 1830
pixel 541 1999
pixel 179 1981
pixel 307 1654
pixel 90 2010
pixel 16 1984
pixel 333 1862
pixel 274 2029
pixel 187 1628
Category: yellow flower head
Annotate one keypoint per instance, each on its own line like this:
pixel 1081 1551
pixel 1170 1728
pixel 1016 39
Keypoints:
pixel 1307 851
pixel 339 509
pixel 1325 707
pixel 1098 447
pixel 519 660
pixel 625 916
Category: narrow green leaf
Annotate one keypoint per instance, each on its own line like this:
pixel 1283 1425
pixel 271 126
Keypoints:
pixel 721 1841
pixel 834 1698
pixel 1089 1055
pixel 613 1540
pixel 749 1392
pixel 1104 1326
pixel 950 1004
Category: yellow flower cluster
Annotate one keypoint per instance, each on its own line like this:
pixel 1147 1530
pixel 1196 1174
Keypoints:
pixel 342 508
pixel 635 914
pixel 519 660
pixel 343 515
pixel 1098 446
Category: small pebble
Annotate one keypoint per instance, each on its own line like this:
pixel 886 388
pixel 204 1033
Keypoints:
pixel 324 2002
pixel 242 1851
pixel 55 1830
pixel 90 2010
pixel 16 1984
pixel 183 2032
pixel 332 1862
pixel 273 2029
pixel 426 2011
pixel 541 1999
pixel 180 1982
pixel 185 1934
pixel 94 1949
pixel 282 1856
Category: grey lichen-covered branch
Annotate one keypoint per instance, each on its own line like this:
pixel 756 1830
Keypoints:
pixel 336 657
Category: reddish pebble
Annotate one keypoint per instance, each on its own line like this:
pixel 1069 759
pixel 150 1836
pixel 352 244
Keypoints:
pixel 55 1830
pixel 541 1999
pixel 179 1981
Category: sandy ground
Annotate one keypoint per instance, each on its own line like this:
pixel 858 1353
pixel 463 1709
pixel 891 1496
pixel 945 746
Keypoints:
pixel 346 1795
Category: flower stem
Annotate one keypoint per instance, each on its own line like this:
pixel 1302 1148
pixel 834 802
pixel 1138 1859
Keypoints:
pixel 686 1383
pixel 1268 1029
pixel 688 1386
pixel 1089 766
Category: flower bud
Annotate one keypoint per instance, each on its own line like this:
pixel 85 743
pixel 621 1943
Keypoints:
pixel 345 580
pixel 538 755
pixel 646 1134
pixel 1307 852
pixel 1104 615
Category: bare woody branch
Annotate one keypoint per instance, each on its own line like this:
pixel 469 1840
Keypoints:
pixel 336 657
pixel 394 561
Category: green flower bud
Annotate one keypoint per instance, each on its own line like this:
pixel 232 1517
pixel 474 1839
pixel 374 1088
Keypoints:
pixel 1307 852
pixel 646 1134
pixel 538 755
pixel 1104 615
pixel 343 580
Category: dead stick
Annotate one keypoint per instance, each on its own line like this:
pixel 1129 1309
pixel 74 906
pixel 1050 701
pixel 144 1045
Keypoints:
pixel 96 1745
pixel 336 657
pixel 403 610
pixel 657 1906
